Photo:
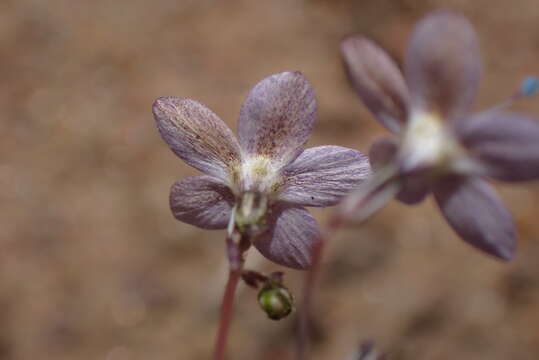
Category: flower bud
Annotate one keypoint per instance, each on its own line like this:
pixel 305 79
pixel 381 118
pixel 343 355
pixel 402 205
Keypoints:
pixel 276 301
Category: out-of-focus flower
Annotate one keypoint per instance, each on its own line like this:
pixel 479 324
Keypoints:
pixel 260 182
pixel 441 147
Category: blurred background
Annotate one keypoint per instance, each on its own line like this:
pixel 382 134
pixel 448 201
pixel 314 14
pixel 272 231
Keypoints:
pixel 94 266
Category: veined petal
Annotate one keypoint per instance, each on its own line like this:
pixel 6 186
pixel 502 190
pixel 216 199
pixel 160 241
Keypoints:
pixel 414 187
pixel 506 143
pixel 475 212
pixel 377 80
pixel 290 237
pixel 201 201
pixel 442 65
pixel 197 135
pixel 277 117
pixel 322 175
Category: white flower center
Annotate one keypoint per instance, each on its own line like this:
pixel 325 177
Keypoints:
pixel 257 180
pixel 427 142
pixel 259 174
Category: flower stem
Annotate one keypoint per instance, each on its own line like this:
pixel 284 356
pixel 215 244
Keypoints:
pixel 236 245
pixel 226 313
pixel 305 314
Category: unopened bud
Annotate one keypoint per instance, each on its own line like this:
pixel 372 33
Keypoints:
pixel 276 301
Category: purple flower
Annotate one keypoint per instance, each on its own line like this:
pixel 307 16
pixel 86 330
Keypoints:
pixel 441 147
pixel 261 181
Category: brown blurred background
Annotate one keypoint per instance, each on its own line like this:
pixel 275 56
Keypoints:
pixel 92 263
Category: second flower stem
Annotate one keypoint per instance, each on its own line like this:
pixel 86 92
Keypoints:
pixel 308 289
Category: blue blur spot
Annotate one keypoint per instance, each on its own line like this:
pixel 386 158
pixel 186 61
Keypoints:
pixel 530 86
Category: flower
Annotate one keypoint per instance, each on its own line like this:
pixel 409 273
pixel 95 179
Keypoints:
pixel 261 181
pixel 441 148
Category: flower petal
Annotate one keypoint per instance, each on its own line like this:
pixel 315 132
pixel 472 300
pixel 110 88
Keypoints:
pixel 197 135
pixel 322 175
pixel 290 238
pixel 414 187
pixel 478 216
pixel 506 143
pixel 277 117
pixel 442 65
pixel 377 80
pixel 383 151
pixel 201 201
pixel 370 196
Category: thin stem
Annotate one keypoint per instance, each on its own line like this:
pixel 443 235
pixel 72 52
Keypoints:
pixel 226 313
pixel 362 203
pixel 308 289
pixel 236 245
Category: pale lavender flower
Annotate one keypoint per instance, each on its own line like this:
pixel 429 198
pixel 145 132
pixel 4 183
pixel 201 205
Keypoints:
pixel 261 181
pixel 440 147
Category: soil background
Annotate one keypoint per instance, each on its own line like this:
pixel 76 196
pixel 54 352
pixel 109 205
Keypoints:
pixel 94 266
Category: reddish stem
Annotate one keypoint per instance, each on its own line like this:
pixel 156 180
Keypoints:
pixel 226 313
pixel 308 289
pixel 236 245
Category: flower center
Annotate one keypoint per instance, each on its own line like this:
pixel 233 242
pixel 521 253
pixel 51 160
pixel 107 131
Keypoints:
pixel 256 181
pixel 259 175
pixel 250 213
pixel 428 143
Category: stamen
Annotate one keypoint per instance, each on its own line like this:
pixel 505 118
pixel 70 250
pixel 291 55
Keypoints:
pixel 529 87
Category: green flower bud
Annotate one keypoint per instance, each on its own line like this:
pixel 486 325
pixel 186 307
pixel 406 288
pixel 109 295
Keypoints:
pixel 276 301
